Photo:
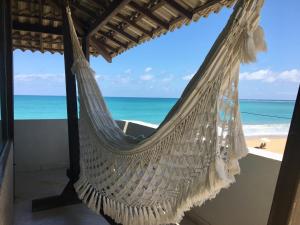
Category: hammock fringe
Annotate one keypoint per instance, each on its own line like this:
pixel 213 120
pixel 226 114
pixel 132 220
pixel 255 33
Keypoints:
pixel 218 179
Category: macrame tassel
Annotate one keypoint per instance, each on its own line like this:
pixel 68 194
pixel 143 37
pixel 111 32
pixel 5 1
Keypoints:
pixel 84 191
pixel 126 216
pixel 151 216
pixel 248 51
pixel 146 215
pixel 251 43
pixel 217 173
pixel 259 39
pixel 233 167
pixel 99 203
pixel 105 205
pixel 130 209
pixel 92 201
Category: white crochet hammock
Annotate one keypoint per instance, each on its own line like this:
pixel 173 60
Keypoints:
pixel 190 157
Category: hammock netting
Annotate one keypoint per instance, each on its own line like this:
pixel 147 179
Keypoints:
pixel 190 157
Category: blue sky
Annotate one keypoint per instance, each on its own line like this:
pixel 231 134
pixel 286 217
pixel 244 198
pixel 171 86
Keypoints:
pixel 163 67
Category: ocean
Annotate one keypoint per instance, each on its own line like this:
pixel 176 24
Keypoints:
pixel 259 117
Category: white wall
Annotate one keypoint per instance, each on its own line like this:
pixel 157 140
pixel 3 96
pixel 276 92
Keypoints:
pixel 246 202
pixel 42 144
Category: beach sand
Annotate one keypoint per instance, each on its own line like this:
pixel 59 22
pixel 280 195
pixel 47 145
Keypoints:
pixel 275 144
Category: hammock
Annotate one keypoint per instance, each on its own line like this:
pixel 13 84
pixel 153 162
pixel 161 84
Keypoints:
pixel 191 156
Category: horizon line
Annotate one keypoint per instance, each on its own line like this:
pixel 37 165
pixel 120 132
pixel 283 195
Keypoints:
pixel 262 99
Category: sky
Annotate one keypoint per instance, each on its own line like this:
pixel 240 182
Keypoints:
pixel 163 67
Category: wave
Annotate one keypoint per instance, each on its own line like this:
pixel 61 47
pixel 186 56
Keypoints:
pixel 146 124
pixel 249 130
pixel 266 129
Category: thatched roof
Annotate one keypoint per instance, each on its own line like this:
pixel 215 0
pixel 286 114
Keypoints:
pixel 112 25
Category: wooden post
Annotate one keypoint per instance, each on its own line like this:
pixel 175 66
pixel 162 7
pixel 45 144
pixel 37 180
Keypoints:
pixel 289 175
pixel 6 87
pixel 6 70
pixel 69 195
pixel 73 134
pixel 9 73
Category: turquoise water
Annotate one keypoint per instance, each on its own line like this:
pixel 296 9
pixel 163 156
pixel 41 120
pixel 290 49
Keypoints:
pixel 151 110
pixel 264 113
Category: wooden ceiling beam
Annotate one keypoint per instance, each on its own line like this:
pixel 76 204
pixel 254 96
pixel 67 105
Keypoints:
pixel 99 47
pixel 36 41
pixel 148 13
pixel 206 5
pixel 181 10
pixel 80 29
pixel 36 17
pixel 36 48
pixel 110 48
pixel 57 4
pixel 113 40
pixel 37 28
pixel 122 32
pixel 135 25
pixel 41 7
pixel 111 11
pixel 97 3
pixel 84 10
pixel 36 2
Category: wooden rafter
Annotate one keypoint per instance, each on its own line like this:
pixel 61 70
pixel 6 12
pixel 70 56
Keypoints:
pixel 111 38
pixel 181 10
pixel 206 5
pixel 113 9
pixel 122 32
pixel 84 9
pixel 41 9
pixel 37 28
pixel 27 16
pixel 148 13
pixel 80 29
pixel 116 25
pixel 135 25
pixel 99 47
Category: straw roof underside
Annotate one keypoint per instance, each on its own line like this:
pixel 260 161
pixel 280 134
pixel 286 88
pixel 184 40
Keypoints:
pixel 112 25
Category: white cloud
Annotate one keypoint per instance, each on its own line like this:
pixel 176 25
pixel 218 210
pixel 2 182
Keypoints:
pixel 270 76
pixel 146 77
pixel 148 69
pixel 290 75
pixel 100 77
pixel 167 79
pixel 39 77
pixel 128 71
pixel 123 79
pixel 188 77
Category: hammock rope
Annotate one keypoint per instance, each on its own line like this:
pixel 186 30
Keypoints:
pixel 191 156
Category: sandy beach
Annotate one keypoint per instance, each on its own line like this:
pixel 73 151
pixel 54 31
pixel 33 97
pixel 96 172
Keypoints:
pixel 274 144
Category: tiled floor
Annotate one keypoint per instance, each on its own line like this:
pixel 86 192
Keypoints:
pixel 33 185
pixel 43 184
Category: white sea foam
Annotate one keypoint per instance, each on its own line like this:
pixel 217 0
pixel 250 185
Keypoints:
pixel 266 129
pixel 143 123
pixel 249 130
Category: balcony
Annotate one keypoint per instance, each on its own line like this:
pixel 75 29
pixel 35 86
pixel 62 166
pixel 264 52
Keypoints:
pixel 41 159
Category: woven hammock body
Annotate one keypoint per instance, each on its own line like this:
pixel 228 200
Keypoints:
pixel 191 156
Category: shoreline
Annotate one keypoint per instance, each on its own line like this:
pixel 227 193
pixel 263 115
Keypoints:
pixel 274 142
